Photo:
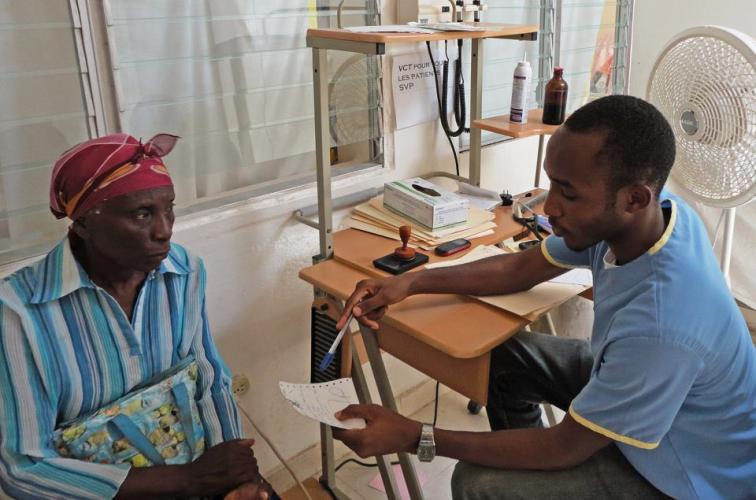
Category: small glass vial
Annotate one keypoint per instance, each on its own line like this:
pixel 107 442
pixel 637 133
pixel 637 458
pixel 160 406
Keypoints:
pixel 555 99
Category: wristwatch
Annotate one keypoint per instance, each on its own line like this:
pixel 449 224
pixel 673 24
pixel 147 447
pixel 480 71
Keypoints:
pixel 426 450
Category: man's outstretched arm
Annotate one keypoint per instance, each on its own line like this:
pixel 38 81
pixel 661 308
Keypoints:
pixel 498 275
pixel 559 447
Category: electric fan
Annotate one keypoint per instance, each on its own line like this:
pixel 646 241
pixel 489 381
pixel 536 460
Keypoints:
pixel 704 82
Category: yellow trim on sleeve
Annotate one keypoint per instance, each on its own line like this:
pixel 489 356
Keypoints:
pixel 552 260
pixel 613 435
pixel 667 232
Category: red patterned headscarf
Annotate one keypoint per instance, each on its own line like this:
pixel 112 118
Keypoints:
pixel 106 167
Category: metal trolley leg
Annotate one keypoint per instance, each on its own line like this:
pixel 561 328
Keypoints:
pixel 387 398
pixel 363 394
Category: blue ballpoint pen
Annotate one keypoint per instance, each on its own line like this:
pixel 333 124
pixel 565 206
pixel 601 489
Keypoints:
pixel 325 363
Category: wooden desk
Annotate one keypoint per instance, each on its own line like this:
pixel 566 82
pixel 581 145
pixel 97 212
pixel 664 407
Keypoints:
pixel 447 337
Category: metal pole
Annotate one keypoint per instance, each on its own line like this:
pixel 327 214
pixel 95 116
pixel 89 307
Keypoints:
pixel 363 394
pixel 476 110
pixel 729 232
pixel 322 151
pixel 387 398
pixel 557 32
pixel 539 160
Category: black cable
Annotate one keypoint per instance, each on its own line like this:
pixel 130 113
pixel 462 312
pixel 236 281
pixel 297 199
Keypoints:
pixel 435 406
pixel 358 462
pixel 441 107
pixel 525 221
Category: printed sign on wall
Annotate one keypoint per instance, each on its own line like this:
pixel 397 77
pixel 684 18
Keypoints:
pixel 415 98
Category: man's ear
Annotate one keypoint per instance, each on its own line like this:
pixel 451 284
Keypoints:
pixel 636 197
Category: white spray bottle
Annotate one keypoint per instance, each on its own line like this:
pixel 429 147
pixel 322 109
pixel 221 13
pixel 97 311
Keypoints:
pixel 523 75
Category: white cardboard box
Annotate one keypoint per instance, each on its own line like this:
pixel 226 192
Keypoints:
pixel 426 203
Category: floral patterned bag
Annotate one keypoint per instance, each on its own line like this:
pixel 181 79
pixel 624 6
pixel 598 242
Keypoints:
pixel 155 424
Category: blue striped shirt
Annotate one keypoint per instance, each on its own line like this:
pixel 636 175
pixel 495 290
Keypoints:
pixel 67 348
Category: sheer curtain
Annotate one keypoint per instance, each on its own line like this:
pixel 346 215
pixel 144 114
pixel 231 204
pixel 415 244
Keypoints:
pixel 43 112
pixel 233 79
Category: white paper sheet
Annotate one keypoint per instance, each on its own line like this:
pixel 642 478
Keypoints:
pixel 477 253
pixel 321 401
pixel 390 28
pixel 449 26
pixel 575 277
pixel 543 296
pixel 481 198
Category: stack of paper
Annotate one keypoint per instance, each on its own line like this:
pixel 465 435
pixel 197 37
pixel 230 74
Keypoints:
pixel 373 217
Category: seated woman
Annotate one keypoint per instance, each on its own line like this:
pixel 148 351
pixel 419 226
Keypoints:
pixel 112 306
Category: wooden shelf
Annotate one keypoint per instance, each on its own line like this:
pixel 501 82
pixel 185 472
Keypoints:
pixel 517 31
pixel 502 125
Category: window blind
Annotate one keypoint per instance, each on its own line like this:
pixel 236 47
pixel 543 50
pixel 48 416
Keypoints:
pixel 43 112
pixel 234 80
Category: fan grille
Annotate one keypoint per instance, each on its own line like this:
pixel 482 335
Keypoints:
pixel 706 88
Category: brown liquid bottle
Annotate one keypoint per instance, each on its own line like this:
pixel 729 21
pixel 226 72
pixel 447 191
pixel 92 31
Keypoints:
pixel 555 99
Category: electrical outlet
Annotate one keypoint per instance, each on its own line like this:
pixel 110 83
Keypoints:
pixel 239 384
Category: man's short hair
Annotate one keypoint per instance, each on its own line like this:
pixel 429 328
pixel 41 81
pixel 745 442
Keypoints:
pixel 639 146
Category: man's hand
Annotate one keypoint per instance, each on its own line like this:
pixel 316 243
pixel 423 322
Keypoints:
pixel 371 299
pixel 386 431
pixel 224 467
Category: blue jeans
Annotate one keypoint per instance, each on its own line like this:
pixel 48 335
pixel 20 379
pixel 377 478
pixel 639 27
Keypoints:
pixel 527 370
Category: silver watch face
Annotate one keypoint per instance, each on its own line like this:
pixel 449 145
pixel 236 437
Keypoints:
pixel 426 449
pixel 426 452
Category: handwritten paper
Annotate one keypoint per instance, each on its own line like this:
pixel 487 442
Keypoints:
pixel 321 401
pixel 575 277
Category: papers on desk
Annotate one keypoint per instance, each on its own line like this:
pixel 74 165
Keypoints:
pixel 477 253
pixel 538 299
pixel 390 28
pixel 321 401
pixel 449 26
pixel 575 277
pixel 479 197
pixel 373 217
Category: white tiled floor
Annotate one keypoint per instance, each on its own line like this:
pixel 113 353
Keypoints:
pixel 353 479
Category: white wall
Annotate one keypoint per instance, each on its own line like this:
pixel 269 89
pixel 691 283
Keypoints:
pixel 655 24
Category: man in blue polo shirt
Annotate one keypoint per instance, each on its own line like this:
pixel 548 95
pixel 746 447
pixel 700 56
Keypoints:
pixel 662 401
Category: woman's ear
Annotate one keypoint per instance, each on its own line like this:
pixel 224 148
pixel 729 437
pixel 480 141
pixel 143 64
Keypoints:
pixel 79 228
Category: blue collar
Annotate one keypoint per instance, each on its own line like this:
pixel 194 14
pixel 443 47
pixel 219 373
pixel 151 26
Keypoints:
pixel 60 274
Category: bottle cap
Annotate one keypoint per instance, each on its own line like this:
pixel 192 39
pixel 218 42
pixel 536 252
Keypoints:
pixel 558 70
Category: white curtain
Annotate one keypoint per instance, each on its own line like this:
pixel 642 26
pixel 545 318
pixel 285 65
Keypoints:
pixel 234 80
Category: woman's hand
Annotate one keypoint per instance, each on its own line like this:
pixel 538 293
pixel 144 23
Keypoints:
pixel 224 467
